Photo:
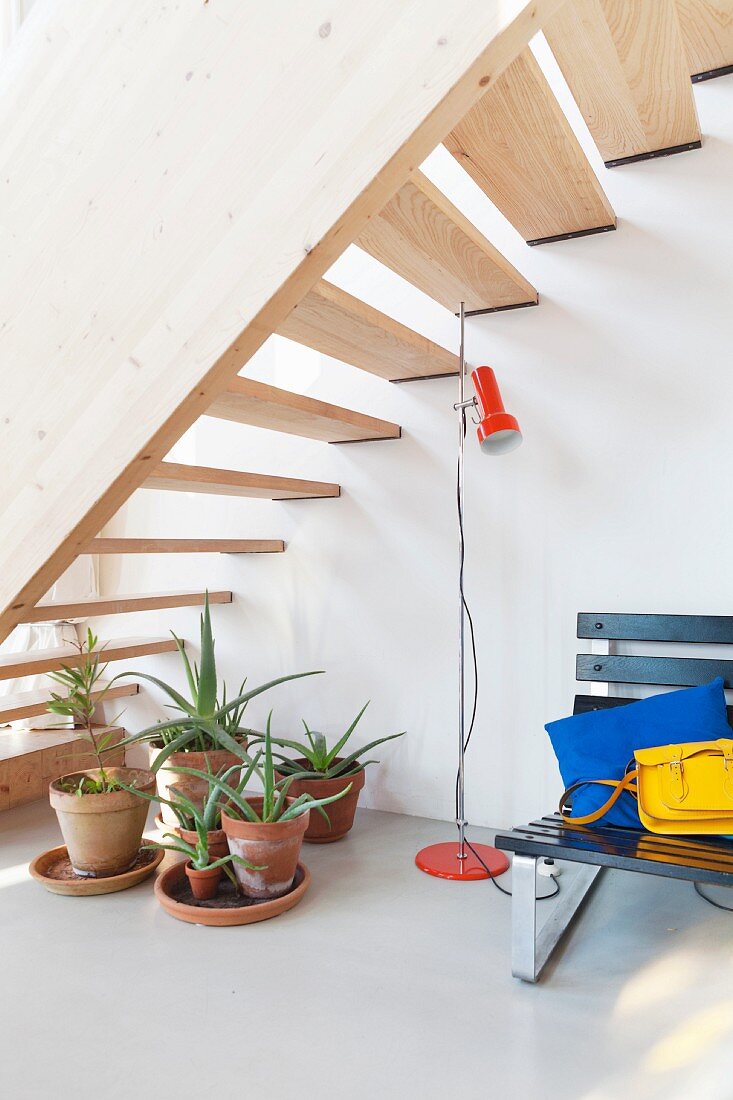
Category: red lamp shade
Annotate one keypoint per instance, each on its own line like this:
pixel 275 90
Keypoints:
pixel 498 432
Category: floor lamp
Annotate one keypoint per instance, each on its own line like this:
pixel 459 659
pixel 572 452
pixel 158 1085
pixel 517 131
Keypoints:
pixel 498 433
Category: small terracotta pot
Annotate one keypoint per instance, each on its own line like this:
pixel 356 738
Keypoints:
pixel 204 884
pixel 194 789
pixel 102 832
pixel 275 847
pixel 340 814
pixel 217 838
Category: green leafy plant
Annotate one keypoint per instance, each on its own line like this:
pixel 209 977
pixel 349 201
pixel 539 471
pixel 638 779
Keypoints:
pixel 275 805
pixel 207 720
pixel 83 696
pixel 322 762
pixel 199 819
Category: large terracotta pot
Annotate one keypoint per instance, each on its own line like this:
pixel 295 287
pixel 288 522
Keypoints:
pixel 193 788
pixel 340 814
pixel 102 832
pixel 275 847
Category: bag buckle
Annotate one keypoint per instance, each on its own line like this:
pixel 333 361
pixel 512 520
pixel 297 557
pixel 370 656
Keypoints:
pixel 676 770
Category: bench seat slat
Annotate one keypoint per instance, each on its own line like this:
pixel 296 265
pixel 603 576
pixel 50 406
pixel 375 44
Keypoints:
pixel 625 849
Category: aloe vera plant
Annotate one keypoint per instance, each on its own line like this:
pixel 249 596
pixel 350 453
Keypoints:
pixel 275 805
pixel 207 720
pixel 324 762
pixel 199 819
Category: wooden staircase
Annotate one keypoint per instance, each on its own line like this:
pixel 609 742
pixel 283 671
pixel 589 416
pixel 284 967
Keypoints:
pixel 213 255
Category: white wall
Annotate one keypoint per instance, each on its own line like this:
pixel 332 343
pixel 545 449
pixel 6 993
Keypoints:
pixel 618 500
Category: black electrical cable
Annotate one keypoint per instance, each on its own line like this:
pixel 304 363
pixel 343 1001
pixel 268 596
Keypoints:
pixel 717 904
pixel 472 634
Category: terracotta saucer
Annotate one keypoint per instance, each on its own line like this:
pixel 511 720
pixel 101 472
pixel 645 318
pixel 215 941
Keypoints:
pixel 53 870
pixel 235 910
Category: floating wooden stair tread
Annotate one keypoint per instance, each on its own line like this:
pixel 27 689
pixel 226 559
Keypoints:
pixel 263 406
pixel 184 546
pixel 519 148
pixel 424 238
pixel 28 704
pixel 205 479
pixel 336 323
pixel 707 32
pixel 56 610
pixel 14 665
pixel 626 67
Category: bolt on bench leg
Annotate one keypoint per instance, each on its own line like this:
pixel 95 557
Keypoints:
pixel 531 951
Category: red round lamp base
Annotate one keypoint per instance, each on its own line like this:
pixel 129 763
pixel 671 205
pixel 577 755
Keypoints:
pixel 442 861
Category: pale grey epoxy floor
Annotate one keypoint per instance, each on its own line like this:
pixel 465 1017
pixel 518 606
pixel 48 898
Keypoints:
pixel 384 982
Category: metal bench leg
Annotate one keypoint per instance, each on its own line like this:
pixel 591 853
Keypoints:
pixel 530 952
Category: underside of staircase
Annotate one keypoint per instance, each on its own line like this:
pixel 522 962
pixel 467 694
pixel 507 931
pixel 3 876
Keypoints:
pixel 141 279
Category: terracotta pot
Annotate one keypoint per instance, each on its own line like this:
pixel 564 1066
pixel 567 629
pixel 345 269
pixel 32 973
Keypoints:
pixel 340 814
pixel 275 847
pixel 218 846
pixel 204 884
pixel 102 832
pixel 193 788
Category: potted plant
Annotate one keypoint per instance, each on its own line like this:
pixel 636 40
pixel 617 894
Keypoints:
pixel 207 737
pixel 205 861
pixel 101 821
pixel 321 772
pixel 267 830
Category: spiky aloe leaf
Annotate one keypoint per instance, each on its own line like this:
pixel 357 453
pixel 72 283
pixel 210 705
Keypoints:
pixel 207 675
pixel 300 806
pixel 342 741
pixel 343 765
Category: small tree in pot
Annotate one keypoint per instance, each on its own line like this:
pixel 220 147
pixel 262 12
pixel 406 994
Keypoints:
pixel 101 820
pixel 321 772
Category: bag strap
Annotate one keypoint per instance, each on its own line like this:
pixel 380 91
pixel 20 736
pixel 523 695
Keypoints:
pixel 628 783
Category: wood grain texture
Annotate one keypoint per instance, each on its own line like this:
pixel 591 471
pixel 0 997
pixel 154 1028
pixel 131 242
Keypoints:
pixel 205 479
pixel 625 64
pixel 53 611
pixel 184 546
pixel 215 162
pixel 31 759
pixel 14 665
pixel 28 704
pixel 707 33
pixel 517 145
pixel 337 324
pixel 248 402
pixel 424 238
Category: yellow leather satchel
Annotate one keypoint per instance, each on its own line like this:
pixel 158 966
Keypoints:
pixel 684 788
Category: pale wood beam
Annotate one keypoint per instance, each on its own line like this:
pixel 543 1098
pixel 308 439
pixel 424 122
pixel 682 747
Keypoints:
pixel 262 406
pixel 517 145
pixel 34 662
pixel 109 545
pixel 28 704
pixel 206 479
pixel 54 610
pixel 625 65
pixel 215 162
pixel 339 325
pixel 707 32
pixel 424 238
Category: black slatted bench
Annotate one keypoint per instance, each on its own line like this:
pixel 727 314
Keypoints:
pixel 706 860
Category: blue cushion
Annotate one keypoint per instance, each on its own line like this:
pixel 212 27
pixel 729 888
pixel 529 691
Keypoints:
pixel 600 744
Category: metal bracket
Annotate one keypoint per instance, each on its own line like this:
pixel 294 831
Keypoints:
pixel 669 152
pixel 496 309
pixel 710 74
pixel 530 949
pixel 572 236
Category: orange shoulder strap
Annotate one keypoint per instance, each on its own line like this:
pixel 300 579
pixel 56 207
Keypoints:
pixel 628 783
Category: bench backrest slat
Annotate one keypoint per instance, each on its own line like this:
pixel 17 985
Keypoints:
pixel 656 628
pixel 586 703
pixel 617 668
